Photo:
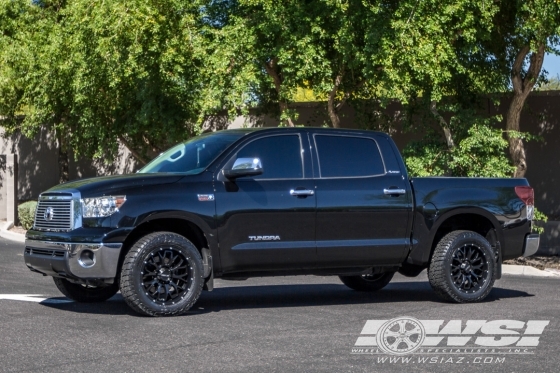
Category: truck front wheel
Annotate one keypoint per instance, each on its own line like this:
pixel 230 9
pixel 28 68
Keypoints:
pixel 162 275
pixel 462 268
pixel 85 293
pixel 373 282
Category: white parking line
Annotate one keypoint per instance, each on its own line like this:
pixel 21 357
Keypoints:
pixel 37 298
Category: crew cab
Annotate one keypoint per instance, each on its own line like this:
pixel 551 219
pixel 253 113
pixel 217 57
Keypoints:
pixel 242 203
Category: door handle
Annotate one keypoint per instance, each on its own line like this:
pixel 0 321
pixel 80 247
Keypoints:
pixel 393 192
pixel 301 192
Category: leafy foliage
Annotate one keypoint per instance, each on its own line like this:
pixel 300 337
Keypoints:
pixel 481 153
pixel 540 220
pixel 550 84
pixel 95 71
pixel 26 214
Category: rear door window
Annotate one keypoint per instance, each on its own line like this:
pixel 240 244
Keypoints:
pixel 348 156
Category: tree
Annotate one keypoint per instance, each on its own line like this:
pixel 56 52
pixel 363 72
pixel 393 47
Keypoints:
pixel 524 31
pixel 13 16
pixel 95 72
pixel 265 51
pixel 35 76
pixel 135 66
pixel 433 63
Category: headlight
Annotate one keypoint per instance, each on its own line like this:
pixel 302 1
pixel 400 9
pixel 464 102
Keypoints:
pixel 101 207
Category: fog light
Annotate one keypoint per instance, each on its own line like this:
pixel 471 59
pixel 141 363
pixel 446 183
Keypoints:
pixel 87 259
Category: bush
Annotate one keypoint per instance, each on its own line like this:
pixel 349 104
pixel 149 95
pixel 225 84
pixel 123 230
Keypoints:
pixel 26 213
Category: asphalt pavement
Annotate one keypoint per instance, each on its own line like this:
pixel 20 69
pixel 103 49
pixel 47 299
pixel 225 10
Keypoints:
pixel 277 324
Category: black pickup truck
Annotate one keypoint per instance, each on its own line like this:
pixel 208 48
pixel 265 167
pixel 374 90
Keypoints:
pixel 283 201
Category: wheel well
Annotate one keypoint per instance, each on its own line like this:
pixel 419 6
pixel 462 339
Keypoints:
pixel 469 222
pixel 184 228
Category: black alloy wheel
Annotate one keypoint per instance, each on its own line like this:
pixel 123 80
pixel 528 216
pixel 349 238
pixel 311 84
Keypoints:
pixel 463 267
pixel 469 268
pixel 162 275
pixel 166 275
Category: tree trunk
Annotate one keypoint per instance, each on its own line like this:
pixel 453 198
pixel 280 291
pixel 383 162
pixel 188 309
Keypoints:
pixel 139 158
pixel 522 86
pixel 443 124
pixel 332 108
pixel 63 162
pixel 270 68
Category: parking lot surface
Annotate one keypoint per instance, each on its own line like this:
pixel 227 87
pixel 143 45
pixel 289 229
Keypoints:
pixel 277 324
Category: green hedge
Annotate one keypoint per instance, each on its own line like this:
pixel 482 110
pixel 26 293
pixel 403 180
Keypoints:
pixel 26 213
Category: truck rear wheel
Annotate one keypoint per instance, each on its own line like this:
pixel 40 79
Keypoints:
pixel 85 293
pixel 162 275
pixel 462 269
pixel 367 282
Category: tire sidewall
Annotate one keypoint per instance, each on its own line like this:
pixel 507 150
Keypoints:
pixel 187 249
pixel 470 238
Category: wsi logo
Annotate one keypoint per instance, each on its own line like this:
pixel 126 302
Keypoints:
pixel 405 335
pixel 264 238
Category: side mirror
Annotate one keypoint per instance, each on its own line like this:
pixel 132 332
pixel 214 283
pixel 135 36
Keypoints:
pixel 244 167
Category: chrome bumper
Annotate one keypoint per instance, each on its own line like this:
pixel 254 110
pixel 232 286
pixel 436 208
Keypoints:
pixel 73 260
pixel 531 244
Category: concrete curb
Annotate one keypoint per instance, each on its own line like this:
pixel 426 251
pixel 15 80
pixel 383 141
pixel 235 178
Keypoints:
pixel 5 232
pixel 509 269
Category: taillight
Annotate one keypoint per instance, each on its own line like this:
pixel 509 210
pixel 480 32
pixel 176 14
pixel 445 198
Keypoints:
pixel 527 195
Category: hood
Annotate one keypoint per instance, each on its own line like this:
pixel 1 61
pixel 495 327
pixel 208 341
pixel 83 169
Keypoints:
pixel 105 184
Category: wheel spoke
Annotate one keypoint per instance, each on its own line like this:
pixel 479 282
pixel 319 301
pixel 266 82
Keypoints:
pixel 179 277
pixel 408 342
pixel 402 326
pixel 148 285
pixel 177 287
pixel 167 294
pixel 178 265
pixel 165 275
pixel 391 333
pixel 393 346
pixel 416 330
pixel 469 268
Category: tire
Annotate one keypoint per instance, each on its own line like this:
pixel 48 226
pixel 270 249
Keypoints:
pixel 462 268
pixel 85 293
pixel 162 275
pixel 367 282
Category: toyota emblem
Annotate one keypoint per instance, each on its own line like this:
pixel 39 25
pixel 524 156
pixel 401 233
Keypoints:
pixel 49 213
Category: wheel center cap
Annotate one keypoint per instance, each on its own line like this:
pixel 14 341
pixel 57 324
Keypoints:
pixel 466 267
pixel 164 274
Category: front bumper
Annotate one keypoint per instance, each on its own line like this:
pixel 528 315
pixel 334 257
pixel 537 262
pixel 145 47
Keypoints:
pixel 531 244
pixel 80 261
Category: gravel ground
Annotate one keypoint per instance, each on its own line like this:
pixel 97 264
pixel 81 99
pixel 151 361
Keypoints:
pixel 540 262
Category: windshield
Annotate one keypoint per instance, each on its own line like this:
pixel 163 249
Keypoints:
pixel 193 156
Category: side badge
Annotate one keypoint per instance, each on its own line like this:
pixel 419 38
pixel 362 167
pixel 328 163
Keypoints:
pixel 205 197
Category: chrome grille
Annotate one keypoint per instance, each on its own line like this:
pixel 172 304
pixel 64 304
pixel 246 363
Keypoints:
pixel 54 213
